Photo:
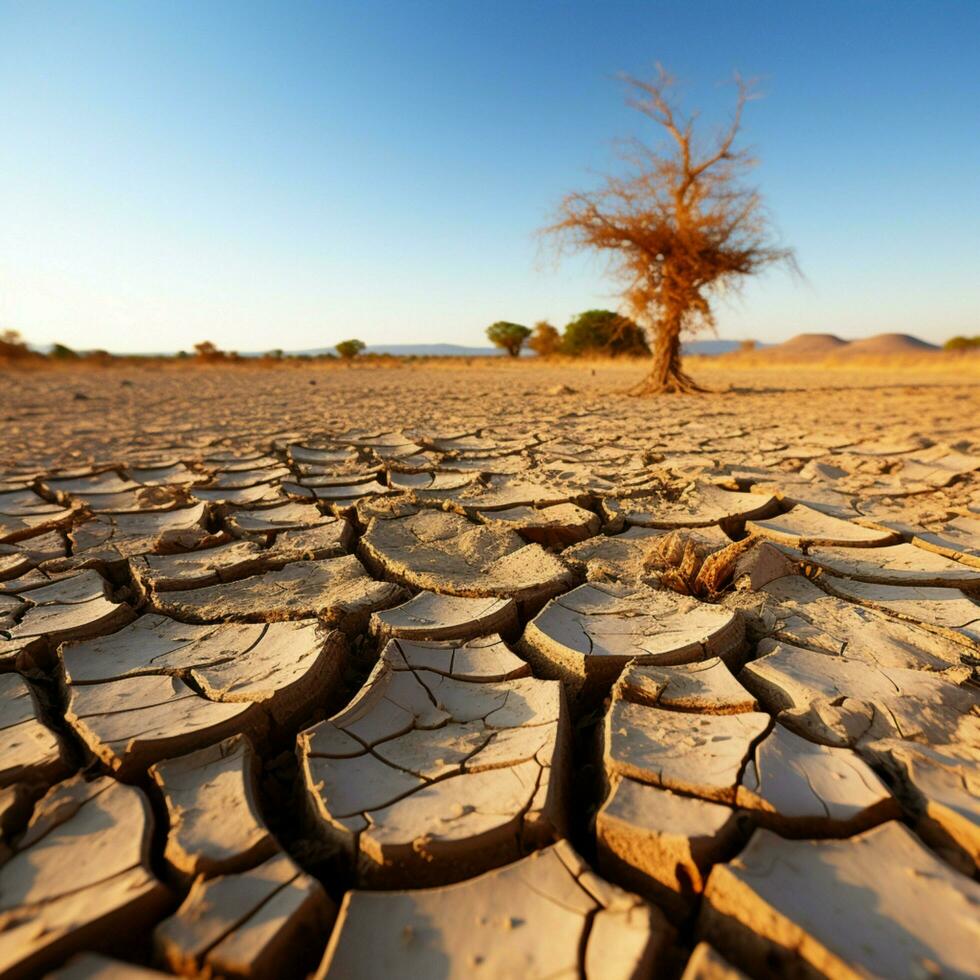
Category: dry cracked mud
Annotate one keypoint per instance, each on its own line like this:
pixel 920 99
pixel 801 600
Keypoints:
pixel 303 674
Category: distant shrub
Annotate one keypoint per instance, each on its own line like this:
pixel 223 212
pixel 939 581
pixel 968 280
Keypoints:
pixel 206 351
pixel 62 353
pixel 962 343
pixel 508 336
pixel 747 345
pixel 349 349
pixel 603 332
pixel 12 345
pixel 546 340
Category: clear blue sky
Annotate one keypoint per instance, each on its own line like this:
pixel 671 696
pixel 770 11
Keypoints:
pixel 290 174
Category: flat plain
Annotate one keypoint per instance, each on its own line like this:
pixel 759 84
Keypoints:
pixel 486 669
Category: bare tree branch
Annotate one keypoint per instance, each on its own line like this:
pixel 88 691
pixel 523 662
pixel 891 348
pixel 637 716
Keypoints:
pixel 679 227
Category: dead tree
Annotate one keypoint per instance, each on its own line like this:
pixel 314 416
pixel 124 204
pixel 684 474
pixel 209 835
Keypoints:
pixel 679 226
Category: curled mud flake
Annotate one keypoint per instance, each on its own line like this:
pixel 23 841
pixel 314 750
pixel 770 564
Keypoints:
pixel 945 609
pixel 130 724
pixel 450 929
pixel 662 844
pixel 698 755
pixel 708 687
pixel 338 591
pixel 102 831
pixel 69 607
pixel 430 616
pixel 109 540
pixel 233 560
pixel 939 788
pixel 554 526
pixel 94 966
pixel 798 611
pixel 897 564
pixel 835 700
pixel 801 789
pixel 446 553
pixel 615 558
pixel 588 635
pixel 211 797
pixel 262 525
pixel 803 527
pixel 30 752
pixel 471 765
pixel 269 921
pixel 706 963
pixel 777 906
pixel 959 539
pixel 691 730
pixel 695 505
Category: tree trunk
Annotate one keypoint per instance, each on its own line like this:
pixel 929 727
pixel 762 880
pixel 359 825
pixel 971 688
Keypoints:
pixel 666 375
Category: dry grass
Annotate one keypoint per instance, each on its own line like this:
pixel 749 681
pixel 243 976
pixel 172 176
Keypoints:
pixel 744 372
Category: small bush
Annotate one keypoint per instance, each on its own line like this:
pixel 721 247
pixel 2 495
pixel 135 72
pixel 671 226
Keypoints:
pixel 206 351
pixel 12 345
pixel 546 340
pixel 508 336
pixel 962 343
pixel 603 332
pixel 349 349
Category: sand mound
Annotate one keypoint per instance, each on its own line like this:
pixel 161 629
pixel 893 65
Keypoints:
pixel 889 343
pixel 810 345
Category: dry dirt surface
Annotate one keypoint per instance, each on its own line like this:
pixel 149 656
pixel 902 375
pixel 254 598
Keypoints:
pixel 488 670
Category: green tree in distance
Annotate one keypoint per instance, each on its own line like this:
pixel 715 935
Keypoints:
pixel 349 349
pixel 508 336
pixel 603 332
pixel 207 351
pixel 962 343
pixel 12 345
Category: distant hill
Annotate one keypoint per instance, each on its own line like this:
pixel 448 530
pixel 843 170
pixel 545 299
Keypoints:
pixel 711 346
pixel 889 343
pixel 810 345
pixel 435 350
pixel 455 350
pixel 804 345
pixel 820 345
pixel 411 350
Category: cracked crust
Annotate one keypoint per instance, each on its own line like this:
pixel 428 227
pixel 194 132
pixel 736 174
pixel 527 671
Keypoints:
pixel 432 776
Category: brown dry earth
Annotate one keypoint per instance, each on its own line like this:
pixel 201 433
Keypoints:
pixel 488 670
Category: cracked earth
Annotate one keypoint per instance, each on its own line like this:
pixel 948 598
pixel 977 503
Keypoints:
pixel 488 671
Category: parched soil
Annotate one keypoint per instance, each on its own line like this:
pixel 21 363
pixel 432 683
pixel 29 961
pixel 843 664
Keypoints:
pixel 486 669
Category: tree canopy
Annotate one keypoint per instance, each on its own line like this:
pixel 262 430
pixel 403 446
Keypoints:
pixel 12 345
pixel 349 349
pixel 509 336
pixel 207 351
pixel 962 343
pixel 603 332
